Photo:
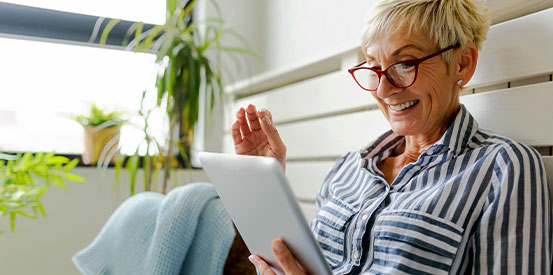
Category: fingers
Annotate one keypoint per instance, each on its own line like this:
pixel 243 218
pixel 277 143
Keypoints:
pixel 244 127
pixel 285 258
pixel 272 133
pixel 235 132
pixel 252 118
pixel 241 125
pixel 261 265
pixel 264 111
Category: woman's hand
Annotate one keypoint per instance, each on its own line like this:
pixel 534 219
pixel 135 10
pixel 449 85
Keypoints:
pixel 285 259
pixel 260 137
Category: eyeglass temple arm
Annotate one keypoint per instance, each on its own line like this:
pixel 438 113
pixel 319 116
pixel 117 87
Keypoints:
pixel 440 52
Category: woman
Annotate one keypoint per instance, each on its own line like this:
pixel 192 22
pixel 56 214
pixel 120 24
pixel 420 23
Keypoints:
pixel 436 194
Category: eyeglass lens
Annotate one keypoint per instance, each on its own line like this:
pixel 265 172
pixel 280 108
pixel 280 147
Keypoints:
pixel 400 75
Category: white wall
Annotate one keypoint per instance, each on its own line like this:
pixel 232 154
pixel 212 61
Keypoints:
pixel 286 31
pixel 45 246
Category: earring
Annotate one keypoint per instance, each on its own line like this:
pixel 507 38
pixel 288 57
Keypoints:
pixel 460 82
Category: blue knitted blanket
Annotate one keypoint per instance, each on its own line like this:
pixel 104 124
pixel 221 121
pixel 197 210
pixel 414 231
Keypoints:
pixel 188 231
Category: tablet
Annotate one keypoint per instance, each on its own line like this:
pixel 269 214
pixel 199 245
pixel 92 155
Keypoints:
pixel 260 201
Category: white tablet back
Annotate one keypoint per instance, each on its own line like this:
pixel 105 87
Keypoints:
pixel 258 198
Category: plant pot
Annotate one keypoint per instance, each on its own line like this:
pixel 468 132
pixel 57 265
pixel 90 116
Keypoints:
pixel 100 142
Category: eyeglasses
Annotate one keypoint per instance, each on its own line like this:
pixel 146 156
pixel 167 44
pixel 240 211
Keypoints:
pixel 400 74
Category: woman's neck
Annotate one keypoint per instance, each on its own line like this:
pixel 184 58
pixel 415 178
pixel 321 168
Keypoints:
pixel 415 144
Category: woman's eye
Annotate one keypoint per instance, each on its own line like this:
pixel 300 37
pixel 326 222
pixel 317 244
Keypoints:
pixel 406 65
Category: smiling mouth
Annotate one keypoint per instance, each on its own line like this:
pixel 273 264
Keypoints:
pixel 404 106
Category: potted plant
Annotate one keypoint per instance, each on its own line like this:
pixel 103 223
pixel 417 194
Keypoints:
pixel 189 61
pixel 25 178
pixel 101 133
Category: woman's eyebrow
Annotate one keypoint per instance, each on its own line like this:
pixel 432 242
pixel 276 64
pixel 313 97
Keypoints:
pixel 398 51
pixel 408 46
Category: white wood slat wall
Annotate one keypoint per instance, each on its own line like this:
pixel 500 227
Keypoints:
pixel 309 211
pixel 323 117
pixel 326 94
pixel 516 49
pixel 306 176
pixel 522 113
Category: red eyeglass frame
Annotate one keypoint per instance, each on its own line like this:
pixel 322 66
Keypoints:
pixel 415 62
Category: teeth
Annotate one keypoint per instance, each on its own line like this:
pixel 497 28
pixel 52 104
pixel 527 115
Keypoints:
pixel 403 106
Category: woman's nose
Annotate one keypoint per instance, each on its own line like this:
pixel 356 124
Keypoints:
pixel 386 89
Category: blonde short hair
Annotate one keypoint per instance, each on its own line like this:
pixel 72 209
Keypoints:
pixel 447 22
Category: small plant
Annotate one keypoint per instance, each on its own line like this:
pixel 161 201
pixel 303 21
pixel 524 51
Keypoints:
pixel 25 178
pixel 98 117
pixel 101 133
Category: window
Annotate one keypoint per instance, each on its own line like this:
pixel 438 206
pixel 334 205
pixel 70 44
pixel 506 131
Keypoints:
pixel 43 82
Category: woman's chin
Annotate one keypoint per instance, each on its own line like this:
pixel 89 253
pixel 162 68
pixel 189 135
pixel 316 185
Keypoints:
pixel 403 129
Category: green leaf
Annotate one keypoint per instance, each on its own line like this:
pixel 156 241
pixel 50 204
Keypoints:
pixel 55 160
pixel 146 170
pixel 154 32
pixel 69 166
pixel 136 28
pixel 57 181
pixel 74 177
pixel 41 209
pixel 107 30
pixel 118 166
pixel 132 168
pixel 12 221
pixel 27 215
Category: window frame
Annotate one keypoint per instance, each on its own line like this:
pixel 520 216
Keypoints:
pixel 39 24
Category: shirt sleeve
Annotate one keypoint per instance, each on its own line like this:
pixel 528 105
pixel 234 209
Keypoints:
pixel 514 234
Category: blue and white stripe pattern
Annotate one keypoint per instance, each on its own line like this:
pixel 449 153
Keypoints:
pixel 474 202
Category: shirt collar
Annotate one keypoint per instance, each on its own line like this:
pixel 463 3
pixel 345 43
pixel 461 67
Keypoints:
pixel 456 138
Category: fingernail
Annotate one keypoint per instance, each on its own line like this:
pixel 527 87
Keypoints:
pixel 267 120
pixel 251 258
pixel 279 248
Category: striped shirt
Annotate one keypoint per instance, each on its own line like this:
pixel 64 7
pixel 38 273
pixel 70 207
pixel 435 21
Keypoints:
pixel 474 202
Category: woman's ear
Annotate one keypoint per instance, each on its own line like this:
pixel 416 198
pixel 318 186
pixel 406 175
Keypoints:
pixel 466 63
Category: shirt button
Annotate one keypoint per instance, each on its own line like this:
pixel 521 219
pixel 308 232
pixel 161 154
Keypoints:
pixel 364 217
pixel 416 168
pixel 430 152
pixel 356 255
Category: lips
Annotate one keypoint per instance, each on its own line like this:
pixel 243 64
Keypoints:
pixel 404 106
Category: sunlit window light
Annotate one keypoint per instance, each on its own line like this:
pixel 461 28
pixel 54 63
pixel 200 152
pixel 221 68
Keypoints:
pixel 42 83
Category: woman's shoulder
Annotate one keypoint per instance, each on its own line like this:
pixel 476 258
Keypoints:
pixel 510 157
pixel 501 145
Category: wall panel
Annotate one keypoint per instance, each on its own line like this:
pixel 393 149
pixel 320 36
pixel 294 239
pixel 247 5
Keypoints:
pixel 522 113
pixel 516 49
pixel 306 177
